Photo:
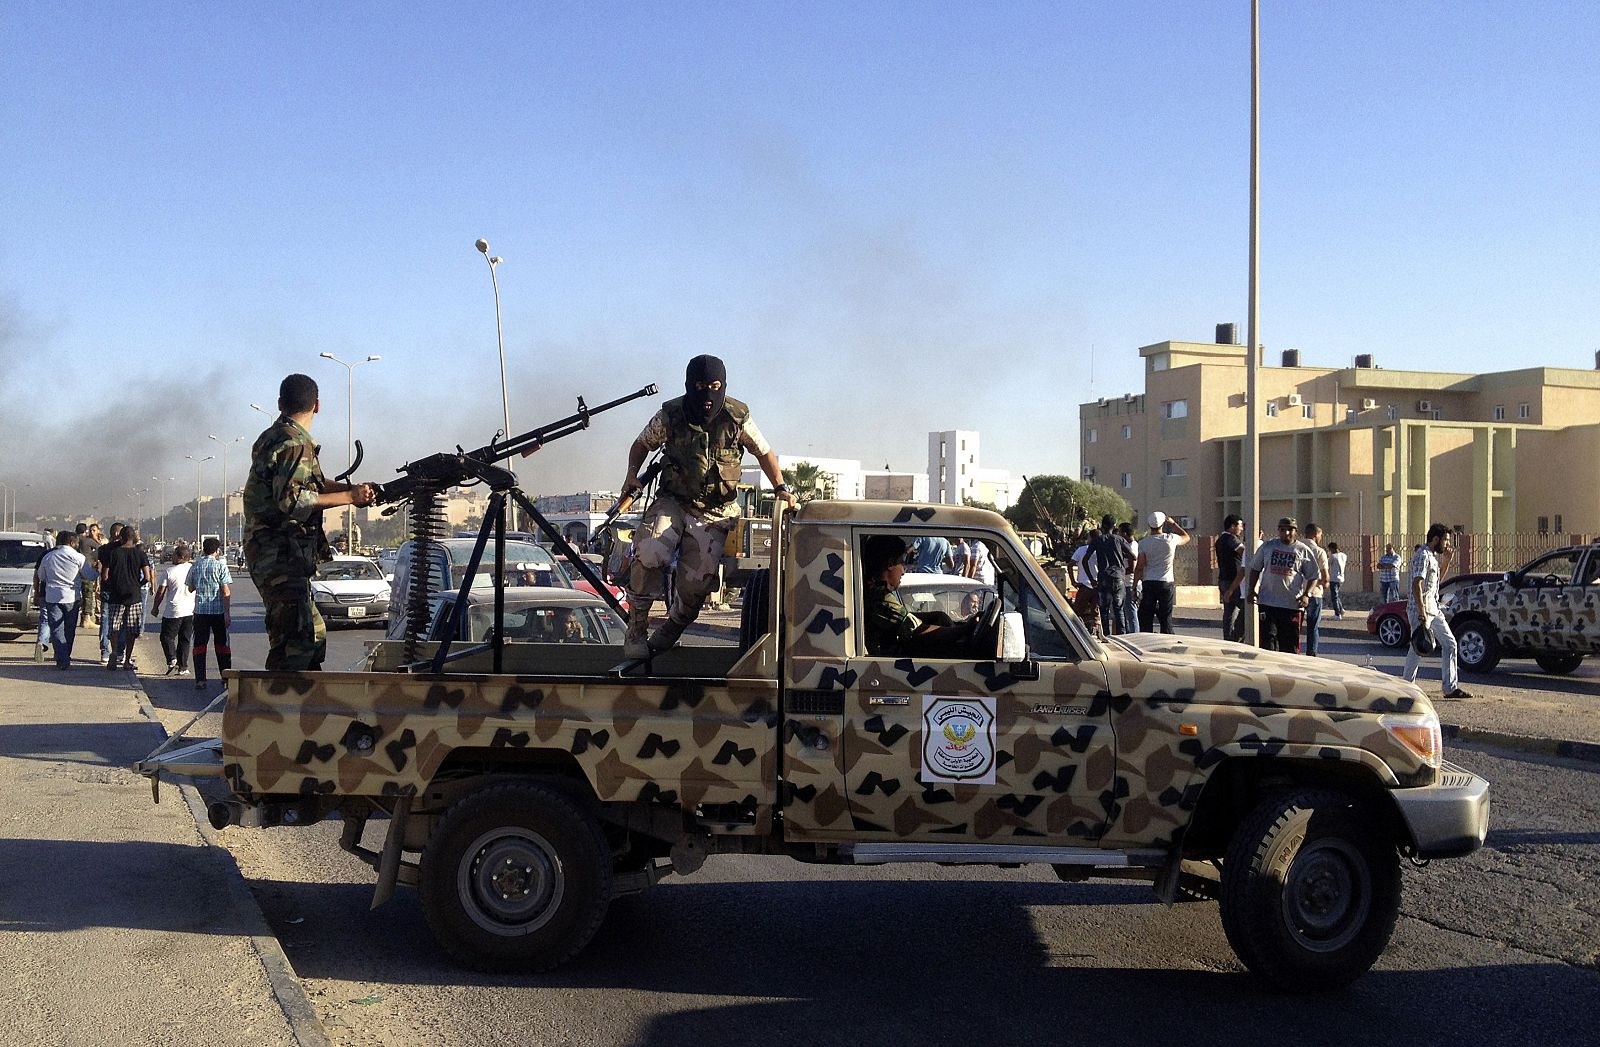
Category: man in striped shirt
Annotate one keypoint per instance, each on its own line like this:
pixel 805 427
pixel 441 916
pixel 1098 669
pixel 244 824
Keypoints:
pixel 212 585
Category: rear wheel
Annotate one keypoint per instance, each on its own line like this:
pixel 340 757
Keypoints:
pixel 1310 893
pixel 1559 664
pixel 517 876
pixel 1477 646
pixel 1392 631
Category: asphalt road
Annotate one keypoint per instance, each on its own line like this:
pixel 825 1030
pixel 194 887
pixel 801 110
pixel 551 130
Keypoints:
pixel 1500 946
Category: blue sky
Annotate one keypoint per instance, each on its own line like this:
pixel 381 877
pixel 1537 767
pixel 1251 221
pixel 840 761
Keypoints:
pixel 887 218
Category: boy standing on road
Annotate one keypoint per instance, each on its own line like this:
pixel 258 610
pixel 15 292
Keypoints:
pixel 1422 610
pixel 1285 569
pixel 212 585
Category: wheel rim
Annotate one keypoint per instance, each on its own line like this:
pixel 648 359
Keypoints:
pixel 1327 895
pixel 1471 646
pixel 510 881
pixel 1390 632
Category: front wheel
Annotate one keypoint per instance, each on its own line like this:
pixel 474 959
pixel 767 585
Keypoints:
pixel 1393 631
pixel 516 877
pixel 1477 646
pixel 1310 893
pixel 1559 664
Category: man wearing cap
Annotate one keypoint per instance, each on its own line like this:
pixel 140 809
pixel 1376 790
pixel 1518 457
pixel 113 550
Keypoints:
pixel 1157 550
pixel 703 436
pixel 1285 570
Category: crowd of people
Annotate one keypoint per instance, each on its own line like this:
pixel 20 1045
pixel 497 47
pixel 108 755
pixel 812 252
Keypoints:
pixel 90 579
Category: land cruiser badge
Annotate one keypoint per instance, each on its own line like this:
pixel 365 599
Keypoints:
pixel 958 740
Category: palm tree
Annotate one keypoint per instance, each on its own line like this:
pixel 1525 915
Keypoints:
pixel 805 480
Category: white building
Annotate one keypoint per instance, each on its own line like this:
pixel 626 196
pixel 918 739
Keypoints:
pixel 954 473
pixel 836 477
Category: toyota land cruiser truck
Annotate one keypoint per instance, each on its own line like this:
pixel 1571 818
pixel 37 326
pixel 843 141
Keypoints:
pixel 520 803
pixel 1548 610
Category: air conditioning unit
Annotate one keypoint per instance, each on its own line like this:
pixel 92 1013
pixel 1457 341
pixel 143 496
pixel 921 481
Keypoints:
pixel 1425 406
pixel 1088 472
pixel 1294 399
pixel 1186 522
pixel 1369 405
pixel 1127 398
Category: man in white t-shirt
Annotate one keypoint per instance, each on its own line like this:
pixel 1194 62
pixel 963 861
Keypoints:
pixel 979 566
pixel 1337 560
pixel 1422 609
pixel 176 602
pixel 1157 550
pixel 57 580
pixel 1086 594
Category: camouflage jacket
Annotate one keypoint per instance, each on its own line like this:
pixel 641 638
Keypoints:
pixel 283 536
pixel 889 625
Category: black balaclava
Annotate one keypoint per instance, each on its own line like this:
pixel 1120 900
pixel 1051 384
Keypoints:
pixel 702 405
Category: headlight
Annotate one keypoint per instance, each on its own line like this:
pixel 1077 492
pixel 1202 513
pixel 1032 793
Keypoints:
pixel 320 593
pixel 1418 732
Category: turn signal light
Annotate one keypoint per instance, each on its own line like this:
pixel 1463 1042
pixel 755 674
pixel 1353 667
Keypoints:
pixel 1420 734
pixel 1189 729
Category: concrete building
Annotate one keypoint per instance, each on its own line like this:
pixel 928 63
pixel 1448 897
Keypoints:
pixel 1360 450
pixel 954 472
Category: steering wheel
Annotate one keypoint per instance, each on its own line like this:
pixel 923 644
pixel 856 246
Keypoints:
pixel 1552 581
pixel 981 644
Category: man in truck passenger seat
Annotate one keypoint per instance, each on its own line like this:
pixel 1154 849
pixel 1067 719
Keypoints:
pixel 892 630
pixel 703 436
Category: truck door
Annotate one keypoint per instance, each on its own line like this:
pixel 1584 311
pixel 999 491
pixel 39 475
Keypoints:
pixel 958 746
pixel 1547 603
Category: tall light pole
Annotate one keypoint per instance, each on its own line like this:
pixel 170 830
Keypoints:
pixel 349 437
pixel 500 339
pixel 224 444
pixel 5 507
pixel 1252 440
pixel 161 493
pixel 198 462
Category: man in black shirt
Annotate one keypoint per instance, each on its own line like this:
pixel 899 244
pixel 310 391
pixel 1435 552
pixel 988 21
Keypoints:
pixel 1113 563
pixel 124 572
pixel 1230 570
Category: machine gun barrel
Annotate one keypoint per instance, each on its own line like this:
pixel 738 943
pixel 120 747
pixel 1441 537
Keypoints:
pixel 448 469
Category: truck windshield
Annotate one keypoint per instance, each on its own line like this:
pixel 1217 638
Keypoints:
pixel 23 552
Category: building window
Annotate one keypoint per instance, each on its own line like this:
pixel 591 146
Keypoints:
pixel 1544 525
pixel 1559 528
pixel 1175 409
pixel 1272 408
pixel 1350 415
pixel 1094 436
pixel 1305 410
pixel 1127 432
pixel 1127 481
pixel 1160 362
pixel 1175 467
pixel 1499 412
pixel 1523 412
pixel 1392 412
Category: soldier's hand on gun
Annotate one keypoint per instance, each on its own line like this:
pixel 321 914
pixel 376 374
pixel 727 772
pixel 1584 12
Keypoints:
pixel 630 484
pixel 362 495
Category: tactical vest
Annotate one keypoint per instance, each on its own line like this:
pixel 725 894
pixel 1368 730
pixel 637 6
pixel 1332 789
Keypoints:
pixel 703 462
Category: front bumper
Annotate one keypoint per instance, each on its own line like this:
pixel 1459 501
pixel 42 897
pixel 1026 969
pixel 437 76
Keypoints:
pixel 377 610
pixel 1449 818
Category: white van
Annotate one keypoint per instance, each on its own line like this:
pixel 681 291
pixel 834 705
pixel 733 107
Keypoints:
pixel 19 555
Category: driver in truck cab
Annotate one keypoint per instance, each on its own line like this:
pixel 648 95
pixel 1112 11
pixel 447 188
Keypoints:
pixel 891 629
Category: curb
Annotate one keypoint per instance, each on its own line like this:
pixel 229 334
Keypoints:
pixel 290 995
pixel 1589 752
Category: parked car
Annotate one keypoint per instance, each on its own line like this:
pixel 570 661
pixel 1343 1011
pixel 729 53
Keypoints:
pixel 1547 610
pixel 19 555
pixel 1388 622
pixel 533 614
pixel 950 594
pixel 351 589
pixel 526 564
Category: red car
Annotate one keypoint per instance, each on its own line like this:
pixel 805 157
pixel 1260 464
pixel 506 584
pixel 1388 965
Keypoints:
pixel 1388 622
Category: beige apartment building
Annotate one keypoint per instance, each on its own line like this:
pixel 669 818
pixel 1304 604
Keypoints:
pixel 1360 450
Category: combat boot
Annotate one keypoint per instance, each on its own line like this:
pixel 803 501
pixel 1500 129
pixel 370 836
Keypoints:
pixel 635 644
pixel 666 636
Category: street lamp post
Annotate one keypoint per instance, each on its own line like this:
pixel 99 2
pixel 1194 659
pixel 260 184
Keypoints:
pixel 225 444
pixel 349 437
pixel 161 493
pixel 500 338
pixel 5 507
pixel 197 464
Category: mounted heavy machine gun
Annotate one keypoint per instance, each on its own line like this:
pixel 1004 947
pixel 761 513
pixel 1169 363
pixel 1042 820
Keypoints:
pixel 1060 539
pixel 423 484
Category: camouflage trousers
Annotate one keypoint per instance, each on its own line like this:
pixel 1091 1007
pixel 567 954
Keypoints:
pixel 297 636
pixel 698 541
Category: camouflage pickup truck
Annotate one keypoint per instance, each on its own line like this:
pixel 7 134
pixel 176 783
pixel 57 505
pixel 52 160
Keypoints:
pixel 520 803
pixel 1548 610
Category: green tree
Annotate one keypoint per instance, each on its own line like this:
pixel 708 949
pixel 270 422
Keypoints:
pixel 976 504
pixel 1059 495
pixel 805 480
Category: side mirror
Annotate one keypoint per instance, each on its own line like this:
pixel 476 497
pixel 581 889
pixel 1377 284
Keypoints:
pixel 1013 640
pixel 389 577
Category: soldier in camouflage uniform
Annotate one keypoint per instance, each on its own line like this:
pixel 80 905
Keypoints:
pixel 704 435
pixel 892 630
pixel 283 501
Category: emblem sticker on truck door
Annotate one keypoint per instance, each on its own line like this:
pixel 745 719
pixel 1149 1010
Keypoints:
pixel 958 740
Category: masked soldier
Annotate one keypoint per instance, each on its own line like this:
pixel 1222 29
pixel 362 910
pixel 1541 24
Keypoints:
pixel 703 436
pixel 283 501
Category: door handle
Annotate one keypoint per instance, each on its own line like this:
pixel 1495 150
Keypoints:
pixel 889 699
